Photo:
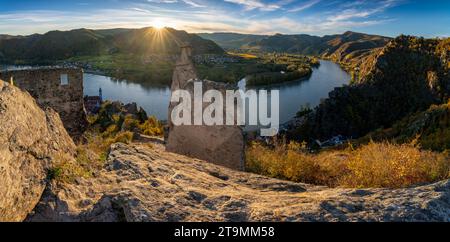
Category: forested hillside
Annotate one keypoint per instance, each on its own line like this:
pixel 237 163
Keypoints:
pixel 405 77
pixel 60 45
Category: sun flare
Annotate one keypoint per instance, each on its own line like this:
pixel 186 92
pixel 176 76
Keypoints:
pixel 158 24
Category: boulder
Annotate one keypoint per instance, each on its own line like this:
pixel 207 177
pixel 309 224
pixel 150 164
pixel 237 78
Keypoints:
pixel 30 141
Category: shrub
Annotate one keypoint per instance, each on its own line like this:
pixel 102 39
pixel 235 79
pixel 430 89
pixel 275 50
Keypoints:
pixel 304 110
pixel 130 123
pixel 66 169
pixel 54 173
pixel 429 129
pixel 293 162
pixel 111 131
pixel 105 129
pixel 152 127
pixel 372 165
pixel 125 137
pixel 386 165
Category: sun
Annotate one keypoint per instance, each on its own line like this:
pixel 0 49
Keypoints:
pixel 158 24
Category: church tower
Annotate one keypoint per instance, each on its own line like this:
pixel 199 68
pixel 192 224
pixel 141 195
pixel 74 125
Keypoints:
pixel 100 94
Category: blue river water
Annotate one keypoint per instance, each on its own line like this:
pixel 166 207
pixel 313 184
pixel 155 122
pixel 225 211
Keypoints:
pixel 155 99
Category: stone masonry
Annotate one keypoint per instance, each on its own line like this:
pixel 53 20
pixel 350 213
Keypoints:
pixel 58 88
pixel 221 145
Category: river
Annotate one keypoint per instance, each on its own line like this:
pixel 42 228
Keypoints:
pixel 294 95
pixel 155 99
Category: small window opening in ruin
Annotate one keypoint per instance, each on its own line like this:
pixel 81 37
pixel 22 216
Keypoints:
pixel 64 79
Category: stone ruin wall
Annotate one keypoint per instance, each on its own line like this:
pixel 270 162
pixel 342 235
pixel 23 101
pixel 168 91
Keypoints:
pixel 221 145
pixel 46 87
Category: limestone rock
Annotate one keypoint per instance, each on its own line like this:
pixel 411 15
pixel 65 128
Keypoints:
pixel 30 140
pixel 149 184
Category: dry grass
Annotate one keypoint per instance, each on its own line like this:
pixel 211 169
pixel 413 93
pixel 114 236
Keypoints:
pixel 372 165
pixel 90 157
pixel 92 154
pixel 67 169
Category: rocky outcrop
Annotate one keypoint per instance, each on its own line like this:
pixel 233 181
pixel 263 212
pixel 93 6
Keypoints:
pixel 408 75
pixel 30 141
pixel 219 144
pixel 149 184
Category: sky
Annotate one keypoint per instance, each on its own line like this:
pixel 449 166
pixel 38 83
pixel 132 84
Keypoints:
pixel 428 18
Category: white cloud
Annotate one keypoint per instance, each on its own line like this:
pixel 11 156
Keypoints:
pixel 193 20
pixel 191 3
pixel 28 22
pixel 363 11
pixel 351 13
pixel 304 6
pixel 255 4
pixel 162 1
pixel 194 4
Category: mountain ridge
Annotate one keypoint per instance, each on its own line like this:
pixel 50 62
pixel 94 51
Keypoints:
pixel 60 45
pixel 349 49
pixel 230 40
pixel 225 39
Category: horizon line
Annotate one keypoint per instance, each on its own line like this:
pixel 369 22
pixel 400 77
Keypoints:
pixel 219 32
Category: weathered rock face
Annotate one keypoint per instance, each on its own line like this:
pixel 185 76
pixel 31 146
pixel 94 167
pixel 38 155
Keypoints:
pixel 219 144
pixel 30 140
pixel 50 89
pixel 149 184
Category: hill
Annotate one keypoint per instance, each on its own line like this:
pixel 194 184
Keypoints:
pixel 6 36
pixel 406 76
pixel 428 129
pixel 60 45
pixel 232 41
pixel 299 44
pixel 54 45
pixel 345 48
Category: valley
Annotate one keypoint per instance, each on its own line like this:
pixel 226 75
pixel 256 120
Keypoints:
pixel 387 98
pixel 115 53
pixel 275 61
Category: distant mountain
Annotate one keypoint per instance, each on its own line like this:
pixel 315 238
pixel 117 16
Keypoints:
pixel 5 36
pixel 301 44
pixel 166 41
pixel 232 40
pixel 345 48
pixel 59 45
pixel 339 47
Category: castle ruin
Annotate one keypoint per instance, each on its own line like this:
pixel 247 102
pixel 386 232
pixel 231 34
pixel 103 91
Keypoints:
pixel 58 88
pixel 221 144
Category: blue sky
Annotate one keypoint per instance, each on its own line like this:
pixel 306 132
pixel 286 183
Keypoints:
pixel 429 18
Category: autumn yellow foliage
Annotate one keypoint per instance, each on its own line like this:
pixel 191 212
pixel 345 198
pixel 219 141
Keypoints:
pixel 373 165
